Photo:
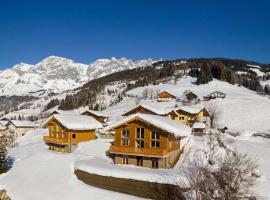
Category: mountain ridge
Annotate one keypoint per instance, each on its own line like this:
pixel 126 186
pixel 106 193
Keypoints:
pixel 56 74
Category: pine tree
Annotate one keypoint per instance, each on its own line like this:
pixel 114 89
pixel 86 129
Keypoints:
pixel 205 75
pixel 4 165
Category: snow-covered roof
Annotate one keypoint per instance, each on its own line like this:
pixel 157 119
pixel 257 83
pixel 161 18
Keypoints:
pixel 164 123
pixel 65 112
pixel 97 113
pixel 75 122
pixel 199 125
pixel 219 92
pixel 169 92
pixel 193 109
pixel 157 110
pixel 23 123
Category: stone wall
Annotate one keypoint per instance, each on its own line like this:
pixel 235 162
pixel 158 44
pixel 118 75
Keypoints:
pixel 137 188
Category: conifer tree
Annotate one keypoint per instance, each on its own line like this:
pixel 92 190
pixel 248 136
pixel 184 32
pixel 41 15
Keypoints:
pixel 4 165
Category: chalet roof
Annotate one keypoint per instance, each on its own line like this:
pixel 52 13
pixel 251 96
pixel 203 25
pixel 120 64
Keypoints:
pixel 190 93
pixel 199 125
pixel 168 92
pixel 164 123
pixel 75 122
pixel 193 109
pixel 65 112
pixel 97 113
pixel 156 110
pixel 22 124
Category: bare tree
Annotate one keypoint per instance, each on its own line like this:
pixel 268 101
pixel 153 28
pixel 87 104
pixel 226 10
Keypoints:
pixel 226 177
pixel 145 93
pixel 214 112
pixel 212 175
pixel 151 92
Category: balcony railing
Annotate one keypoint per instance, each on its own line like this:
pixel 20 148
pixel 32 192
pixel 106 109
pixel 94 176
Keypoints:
pixel 55 140
pixel 138 151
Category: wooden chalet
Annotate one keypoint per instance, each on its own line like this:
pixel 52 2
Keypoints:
pixel 97 115
pixel 188 115
pixel 165 96
pixel 147 140
pixel 190 96
pixel 66 131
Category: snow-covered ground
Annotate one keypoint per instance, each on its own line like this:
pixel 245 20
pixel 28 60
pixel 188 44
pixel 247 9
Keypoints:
pixel 259 148
pixel 41 174
pixel 242 109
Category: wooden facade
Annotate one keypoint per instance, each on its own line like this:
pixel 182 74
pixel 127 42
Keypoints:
pixel 142 144
pixel 190 96
pixel 65 140
pixel 165 96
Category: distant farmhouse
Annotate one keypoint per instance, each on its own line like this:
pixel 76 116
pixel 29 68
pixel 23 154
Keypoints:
pixel 66 131
pixel 166 96
pixel 19 128
pixel 147 140
pixel 215 95
pixel 190 96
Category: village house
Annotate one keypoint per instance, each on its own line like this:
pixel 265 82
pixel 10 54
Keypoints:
pixel 217 94
pixel 188 115
pixel 147 140
pixel 147 109
pixel 19 128
pixel 101 117
pixel 165 96
pixel 66 131
pixel 190 96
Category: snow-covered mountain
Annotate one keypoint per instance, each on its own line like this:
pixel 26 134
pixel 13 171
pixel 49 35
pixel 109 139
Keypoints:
pixel 56 74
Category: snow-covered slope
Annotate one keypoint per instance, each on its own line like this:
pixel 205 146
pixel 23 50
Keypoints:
pixel 56 74
pixel 41 174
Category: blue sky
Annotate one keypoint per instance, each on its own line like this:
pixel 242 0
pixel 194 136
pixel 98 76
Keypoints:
pixel 86 30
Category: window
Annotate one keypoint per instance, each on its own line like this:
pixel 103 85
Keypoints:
pixel 140 138
pixel 64 135
pixel 125 160
pixel 154 163
pixel 140 133
pixel 125 137
pixel 139 161
pixel 139 144
pixel 181 117
pixel 155 135
pixel 73 135
pixel 155 139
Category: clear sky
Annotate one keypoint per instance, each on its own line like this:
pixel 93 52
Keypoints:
pixel 82 30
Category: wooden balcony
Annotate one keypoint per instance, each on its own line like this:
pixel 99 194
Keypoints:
pixel 140 152
pixel 55 140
